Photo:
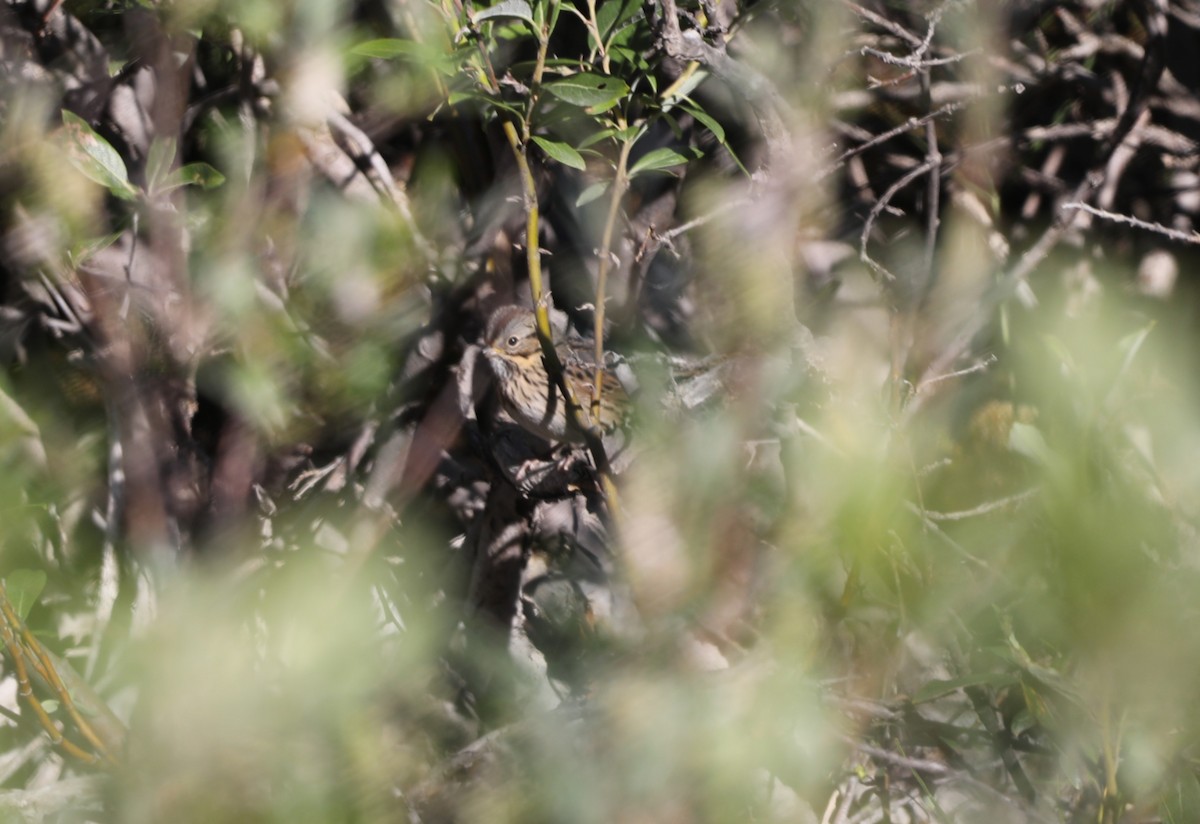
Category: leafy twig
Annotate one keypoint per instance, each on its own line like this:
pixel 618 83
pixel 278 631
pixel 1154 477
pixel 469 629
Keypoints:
pixel 27 652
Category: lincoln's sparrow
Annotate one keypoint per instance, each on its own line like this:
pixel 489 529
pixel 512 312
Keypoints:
pixel 512 349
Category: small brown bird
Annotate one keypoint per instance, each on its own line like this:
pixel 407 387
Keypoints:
pixel 514 353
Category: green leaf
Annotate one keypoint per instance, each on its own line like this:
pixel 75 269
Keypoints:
pixel 23 587
pixel 195 174
pixel 526 67
pixel 615 13
pixel 624 54
pixel 657 160
pixel 519 9
pixel 706 120
pixel 561 152
pixel 88 248
pixel 159 160
pixel 689 85
pixel 456 98
pixel 606 15
pixel 595 92
pixel 630 133
pixel 1130 345
pixel 1035 702
pixel 1025 439
pixel 936 689
pixel 593 139
pixel 1061 351
pixel 1182 798
pixel 591 193
pixel 95 157
pixel 1022 723
pixel 421 53
pixel 386 48
pixel 718 131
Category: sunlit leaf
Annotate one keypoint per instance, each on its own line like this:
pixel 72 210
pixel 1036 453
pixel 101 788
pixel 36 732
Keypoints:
pixel 1062 352
pixel 195 174
pixel 937 688
pixel 23 587
pixel 1025 439
pixel 688 85
pixel 159 160
pixel 90 247
pixel 519 9
pixel 596 137
pixel 1130 345
pixel 615 13
pixel 630 133
pixel 422 54
pixel 386 48
pixel 561 152
pixel 591 193
pixel 95 157
pixel 657 160
pixel 593 91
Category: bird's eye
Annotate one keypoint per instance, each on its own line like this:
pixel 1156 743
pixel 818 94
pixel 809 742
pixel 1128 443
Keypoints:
pixel 513 340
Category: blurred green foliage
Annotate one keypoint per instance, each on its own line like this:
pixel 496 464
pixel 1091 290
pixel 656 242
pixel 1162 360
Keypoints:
pixel 241 498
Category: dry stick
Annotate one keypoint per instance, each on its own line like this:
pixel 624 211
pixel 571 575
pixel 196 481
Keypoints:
pixel 934 18
pixel 932 166
pixel 884 23
pixel 1152 68
pixel 933 159
pixel 913 63
pixel 877 210
pixel 979 366
pixel 729 205
pixel 914 301
pixel 906 126
pixel 985 508
pixel 1192 237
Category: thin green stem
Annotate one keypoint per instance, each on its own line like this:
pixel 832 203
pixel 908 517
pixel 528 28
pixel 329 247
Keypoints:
pixel 539 69
pixel 620 183
pixel 519 143
pixel 594 27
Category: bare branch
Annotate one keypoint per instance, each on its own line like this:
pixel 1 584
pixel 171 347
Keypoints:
pixel 1192 237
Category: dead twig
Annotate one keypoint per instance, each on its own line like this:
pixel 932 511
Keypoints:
pixel 1192 237
pixel 1153 64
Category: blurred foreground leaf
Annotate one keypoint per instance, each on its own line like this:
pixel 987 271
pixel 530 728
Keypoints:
pixel 24 587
